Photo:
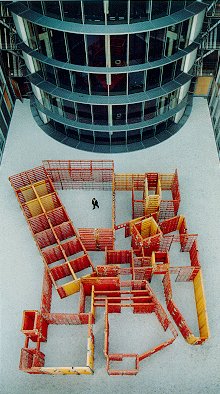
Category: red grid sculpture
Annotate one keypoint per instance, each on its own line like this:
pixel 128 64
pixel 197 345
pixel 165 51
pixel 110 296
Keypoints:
pixel 123 279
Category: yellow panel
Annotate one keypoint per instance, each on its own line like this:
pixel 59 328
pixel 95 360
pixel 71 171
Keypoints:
pixel 34 207
pixel 28 193
pixel 41 189
pixel 71 287
pixel 47 202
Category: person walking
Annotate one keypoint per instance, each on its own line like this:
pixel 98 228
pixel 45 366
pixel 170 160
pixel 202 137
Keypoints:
pixel 95 203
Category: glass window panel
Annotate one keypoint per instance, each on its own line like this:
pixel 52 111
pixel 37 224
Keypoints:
pixel 59 47
pixel 118 138
pixel 177 5
pixel 84 113
pixel 35 6
pixel 156 44
pixel 60 127
pixel 118 114
pixel 98 84
pixel 30 31
pixel 118 84
pixel 86 136
pixel 44 40
pixel 161 127
pixel 118 12
pixel 178 67
pixel 72 132
pixel 172 41
pixel 153 78
pixel 52 9
pixel 118 50
pixel 93 12
pixel 49 73
pixel 139 10
pixel 72 11
pixel 100 114
pixel 148 132
pixel 69 109
pixel 102 138
pixel 135 113
pixel 149 109
pixel 133 136
pixel 76 48
pixel 136 82
pixel 96 51
pixel 64 78
pixel 159 8
pixel 81 83
pixel 137 48
pixel 4 127
pixel 167 75
pixel 163 104
pixel 183 42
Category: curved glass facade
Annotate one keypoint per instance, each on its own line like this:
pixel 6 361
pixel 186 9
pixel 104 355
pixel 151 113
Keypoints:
pixel 126 85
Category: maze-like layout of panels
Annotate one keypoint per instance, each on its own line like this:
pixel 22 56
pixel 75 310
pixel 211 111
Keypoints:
pixel 155 225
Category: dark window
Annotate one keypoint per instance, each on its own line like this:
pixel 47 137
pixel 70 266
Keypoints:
pixel 35 6
pixel 64 78
pixel 183 42
pixel 149 109
pixel 137 48
pixel 59 47
pixel 167 73
pixel 84 113
pixel 72 11
pixel 177 6
pixel 118 84
pixel 118 49
pixel 68 107
pixel 118 114
pixel 81 83
pixel 86 136
pixel 156 44
pixel 161 127
pixel 98 84
pixel 60 127
pixel 100 114
pixel 153 78
pixel 159 8
pixel 118 138
pixel 102 138
pixel 76 48
pixel 139 10
pixel 135 113
pixel 72 132
pixel 136 82
pixel 178 67
pixel 93 11
pixel 133 136
pixel 49 73
pixel 52 9
pixel 118 12
pixel 148 132
pixel 96 51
